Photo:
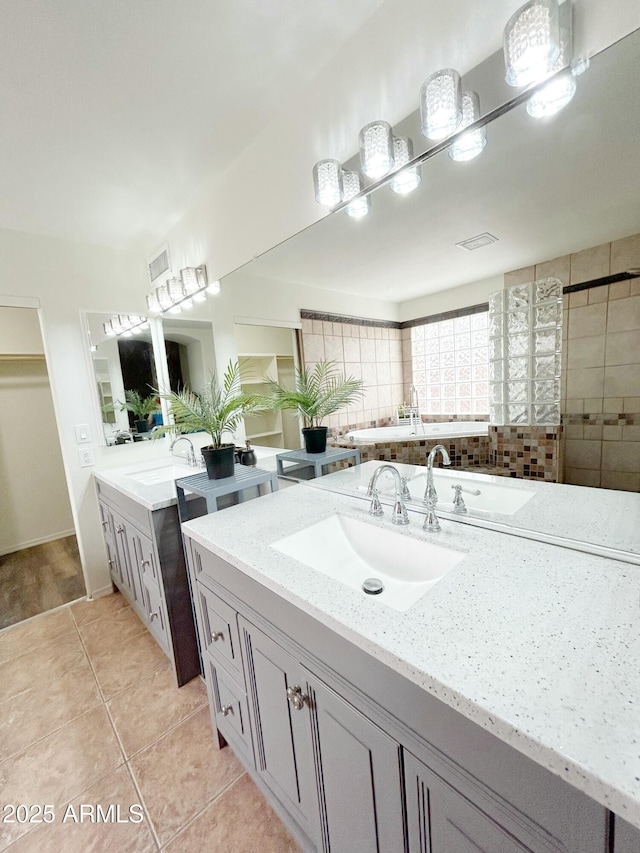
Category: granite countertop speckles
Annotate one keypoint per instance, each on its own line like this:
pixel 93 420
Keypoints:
pixel 536 643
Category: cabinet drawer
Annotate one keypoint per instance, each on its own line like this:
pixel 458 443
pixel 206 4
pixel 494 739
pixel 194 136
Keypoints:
pixel 219 631
pixel 156 615
pixel 228 702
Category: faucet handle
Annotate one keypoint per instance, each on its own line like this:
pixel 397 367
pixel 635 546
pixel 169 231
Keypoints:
pixel 400 514
pixel 458 503
pixel 431 523
pixel 406 494
pixel 376 506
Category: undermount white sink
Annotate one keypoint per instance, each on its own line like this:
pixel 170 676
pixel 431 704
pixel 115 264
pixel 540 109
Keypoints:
pixel 151 475
pixel 352 551
pixel 493 497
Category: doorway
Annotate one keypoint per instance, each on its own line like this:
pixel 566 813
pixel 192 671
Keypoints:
pixel 39 564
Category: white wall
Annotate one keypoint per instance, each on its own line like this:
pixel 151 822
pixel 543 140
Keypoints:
pixel 34 503
pixel 449 300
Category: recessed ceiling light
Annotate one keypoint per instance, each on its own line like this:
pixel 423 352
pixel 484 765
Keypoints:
pixel 477 242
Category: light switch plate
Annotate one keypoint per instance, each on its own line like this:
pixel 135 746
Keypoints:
pixel 83 434
pixel 87 457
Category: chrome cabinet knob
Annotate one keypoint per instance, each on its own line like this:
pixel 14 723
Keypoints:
pixel 226 710
pixel 296 697
pixel 105 523
pixel 153 616
pixel 120 528
pixel 110 563
pixel 217 635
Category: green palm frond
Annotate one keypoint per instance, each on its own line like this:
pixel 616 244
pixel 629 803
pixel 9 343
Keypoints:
pixel 319 392
pixel 216 409
pixel 133 402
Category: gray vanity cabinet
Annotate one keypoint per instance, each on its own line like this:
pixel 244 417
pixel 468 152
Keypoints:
pixel 282 735
pixel 627 837
pixel 146 561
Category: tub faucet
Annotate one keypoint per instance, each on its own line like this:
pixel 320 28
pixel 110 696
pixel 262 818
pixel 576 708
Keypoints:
pixel 191 456
pixel 400 515
pixel 430 494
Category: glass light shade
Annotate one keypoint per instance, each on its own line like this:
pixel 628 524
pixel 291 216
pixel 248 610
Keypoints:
pixel 352 184
pixel 376 149
pixel 189 280
pixel 175 309
pixel 407 179
pixel 176 289
pixel 471 143
pixel 441 104
pixel 163 297
pixel 214 287
pixel 200 296
pixel 551 98
pixel 557 93
pixel 153 305
pixel 531 42
pixel 327 181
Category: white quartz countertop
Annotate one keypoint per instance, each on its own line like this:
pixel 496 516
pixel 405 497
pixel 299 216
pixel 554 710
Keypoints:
pixel 536 643
pixel 151 482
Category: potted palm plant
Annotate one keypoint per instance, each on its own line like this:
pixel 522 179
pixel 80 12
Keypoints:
pixel 140 407
pixel 319 392
pixel 217 409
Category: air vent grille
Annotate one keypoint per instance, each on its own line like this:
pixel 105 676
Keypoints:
pixel 477 242
pixel 159 265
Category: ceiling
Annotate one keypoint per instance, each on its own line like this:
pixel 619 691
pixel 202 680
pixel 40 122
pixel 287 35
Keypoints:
pixel 111 111
pixel 544 188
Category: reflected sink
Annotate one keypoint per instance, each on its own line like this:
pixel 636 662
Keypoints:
pixel 493 497
pixel 351 551
pixel 151 475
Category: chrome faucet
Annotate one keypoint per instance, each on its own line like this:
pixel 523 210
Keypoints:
pixel 400 515
pixel 458 501
pixel 430 494
pixel 191 456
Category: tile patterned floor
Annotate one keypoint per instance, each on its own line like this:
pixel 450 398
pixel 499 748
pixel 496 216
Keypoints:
pixel 90 716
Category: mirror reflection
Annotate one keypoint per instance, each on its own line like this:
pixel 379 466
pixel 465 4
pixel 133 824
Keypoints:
pixel 560 197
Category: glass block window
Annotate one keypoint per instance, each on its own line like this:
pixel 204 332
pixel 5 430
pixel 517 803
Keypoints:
pixel 525 343
pixel 450 360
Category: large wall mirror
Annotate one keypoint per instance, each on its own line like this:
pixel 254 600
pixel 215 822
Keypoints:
pixel 544 188
pixel 171 353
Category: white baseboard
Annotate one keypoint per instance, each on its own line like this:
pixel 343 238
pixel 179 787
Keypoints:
pixel 98 593
pixel 24 545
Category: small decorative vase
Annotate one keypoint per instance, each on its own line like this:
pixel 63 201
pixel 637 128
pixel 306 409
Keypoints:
pixel 315 439
pixel 219 461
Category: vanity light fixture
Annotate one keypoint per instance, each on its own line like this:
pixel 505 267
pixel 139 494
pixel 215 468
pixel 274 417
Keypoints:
pixel 471 143
pixel 531 42
pixel 352 184
pixel 327 182
pixel 178 293
pixel 406 180
pixel 376 149
pixel 441 104
pixel 557 93
pixel 125 325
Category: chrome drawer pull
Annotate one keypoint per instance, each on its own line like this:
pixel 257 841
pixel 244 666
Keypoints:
pixel 297 697
pixel 217 635
pixel 105 523
pixel 120 528
pixel 153 616
pixel 226 710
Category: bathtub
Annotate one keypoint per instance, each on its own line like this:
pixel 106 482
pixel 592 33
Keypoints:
pixel 451 429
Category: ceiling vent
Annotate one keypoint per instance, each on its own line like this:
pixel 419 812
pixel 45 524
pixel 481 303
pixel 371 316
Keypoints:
pixel 477 242
pixel 159 264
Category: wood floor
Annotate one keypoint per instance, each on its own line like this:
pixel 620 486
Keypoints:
pixel 38 579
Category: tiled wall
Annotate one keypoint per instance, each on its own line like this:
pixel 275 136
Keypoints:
pixel 367 351
pixel 601 364
pixel 531 452
pixel 464 451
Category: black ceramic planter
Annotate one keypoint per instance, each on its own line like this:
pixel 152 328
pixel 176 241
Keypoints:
pixel 315 439
pixel 219 461
pixel 142 426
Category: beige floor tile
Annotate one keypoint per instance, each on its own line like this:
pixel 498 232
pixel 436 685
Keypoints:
pixel 35 632
pixel 181 773
pixel 42 665
pixel 218 827
pixel 123 664
pixel 146 711
pixel 88 611
pixel 60 767
pixel 111 630
pixel 45 705
pixel 118 830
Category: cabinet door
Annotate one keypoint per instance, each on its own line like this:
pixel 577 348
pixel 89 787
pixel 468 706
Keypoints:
pixel 441 819
pixel 627 837
pixel 281 732
pixel 361 771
